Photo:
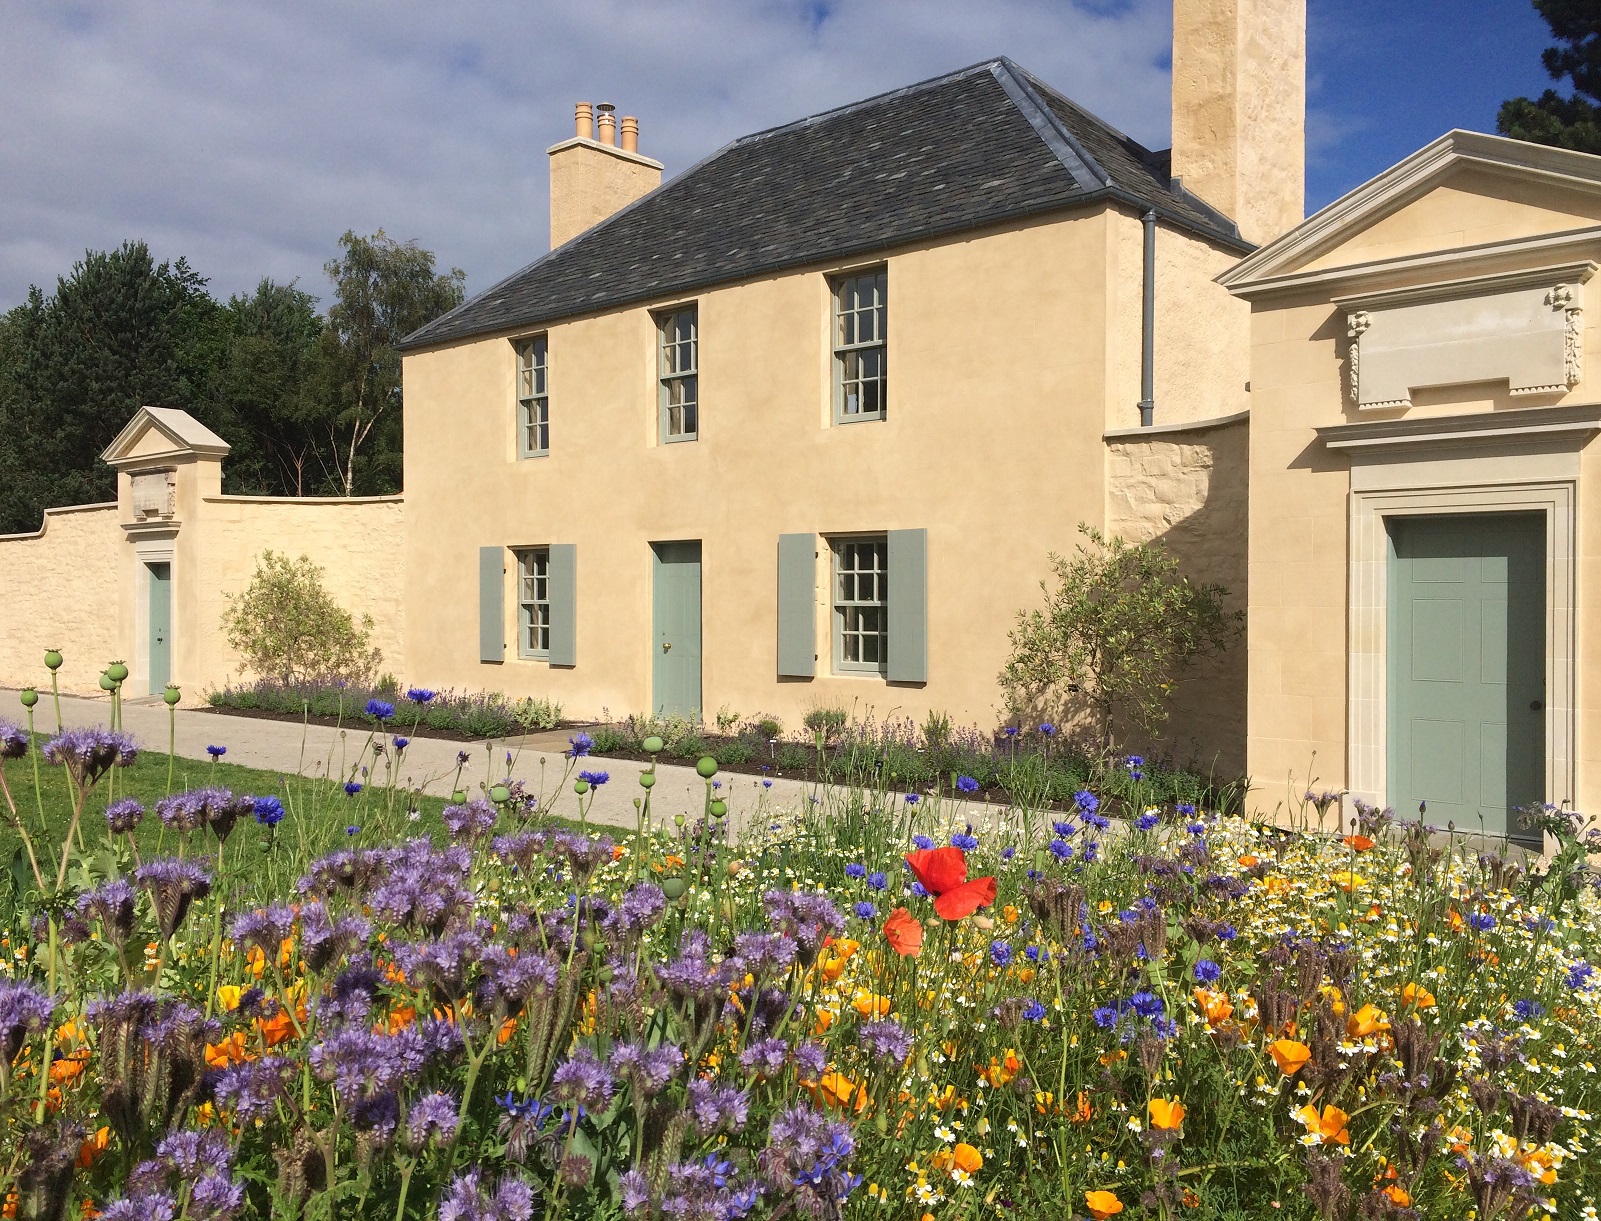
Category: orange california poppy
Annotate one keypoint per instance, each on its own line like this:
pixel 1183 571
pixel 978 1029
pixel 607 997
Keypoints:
pixel 967 1158
pixel 943 873
pixel 1215 1006
pixel 904 933
pixel 1365 1021
pixel 1359 843
pixel 1399 1196
pixel 1417 994
pixel 1166 1113
pixel 1289 1055
pixel 1102 1204
pixel 92 1147
pixel 1329 1127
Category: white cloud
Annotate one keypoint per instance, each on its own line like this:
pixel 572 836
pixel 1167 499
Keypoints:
pixel 247 136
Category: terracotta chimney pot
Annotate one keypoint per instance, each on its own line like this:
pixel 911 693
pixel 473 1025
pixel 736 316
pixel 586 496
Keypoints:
pixel 584 121
pixel 607 122
pixel 630 134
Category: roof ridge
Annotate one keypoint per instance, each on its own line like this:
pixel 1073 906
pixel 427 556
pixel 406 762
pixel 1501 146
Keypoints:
pixel 1089 173
pixel 905 90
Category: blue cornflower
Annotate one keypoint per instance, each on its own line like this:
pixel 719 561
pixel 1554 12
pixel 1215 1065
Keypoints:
pixel 1527 1010
pixel 1061 849
pixel 966 784
pixel 1032 953
pixel 865 910
pixel 352 788
pixel 402 743
pixel 767 784
pixel 919 890
pixel 922 842
pixel 1165 1028
pixel 877 881
pixel 1136 761
pixel 964 841
pixel 1482 922
pixel 1145 822
pixel 594 779
pixel 1147 1004
pixel 269 811
pixel 1099 821
pixel 1185 808
pixel 1225 932
pixel 853 870
pixel 1092 852
pixel 1207 971
pixel 912 799
pixel 352 829
pixel 1047 729
pixel 1008 852
pixel 1196 828
pixel 1001 953
pixel 381 710
pixel 216 752
pixel 1034 1012
pixel 1010 731
pixel 420 695
pixel 1086 801
pixel 1579 975
pixel 1105 1017
pixel 1063 828
pixel 529 1109
pixel 580 745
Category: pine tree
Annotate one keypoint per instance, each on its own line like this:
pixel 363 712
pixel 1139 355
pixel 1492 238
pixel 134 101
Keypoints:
pixel 1567 122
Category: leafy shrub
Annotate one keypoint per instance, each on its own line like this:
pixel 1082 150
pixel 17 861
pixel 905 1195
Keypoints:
pixel 286 626
pixel 533 714
pixel 612 739
pixel 792 758
pixel 827 720
pixel 691 746
pixel 769 727
pixel 733 752
pixel 1114 636
pixel 486 714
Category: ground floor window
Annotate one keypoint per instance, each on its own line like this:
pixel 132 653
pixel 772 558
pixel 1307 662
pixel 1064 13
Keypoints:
pixel 861 604
pixel 533 602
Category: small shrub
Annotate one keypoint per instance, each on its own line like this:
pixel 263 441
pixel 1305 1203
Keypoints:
pixel 286 626
pixel 769 727
pixel 936 729
pixel 612 739
pixel 533 714
pixel 828 720
pixel 726 720
pixel 690 746
pixel 734 752
pixel 792 758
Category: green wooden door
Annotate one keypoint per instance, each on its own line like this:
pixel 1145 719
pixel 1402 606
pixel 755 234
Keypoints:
pixel 1467 668
pixel 675 647
pixel 160 626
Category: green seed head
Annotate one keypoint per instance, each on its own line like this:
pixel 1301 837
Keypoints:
pixel 53 659
pixel 674 888
pixel 499 793
pixel 580 787
pixel 171 695
pixel 652 745
pixel 107 683
pixel 118 671
pixel 707 767
pixel 719 809
pixel 29 697
pixel 647 780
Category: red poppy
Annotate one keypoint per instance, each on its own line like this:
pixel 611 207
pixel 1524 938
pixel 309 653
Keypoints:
pixel 904 933
pixel 943 873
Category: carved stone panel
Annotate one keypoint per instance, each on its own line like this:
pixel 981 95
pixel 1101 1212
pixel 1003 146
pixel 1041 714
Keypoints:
pixel 1529 335
pixel 152 495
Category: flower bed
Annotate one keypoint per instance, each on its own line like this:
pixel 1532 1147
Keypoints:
pixel 417 711
pixel 867 1008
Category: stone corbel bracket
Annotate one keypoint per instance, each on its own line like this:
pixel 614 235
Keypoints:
pixel 1524 328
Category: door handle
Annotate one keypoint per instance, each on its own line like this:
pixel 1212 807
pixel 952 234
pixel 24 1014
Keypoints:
pixel 667 646
pixel 1535 705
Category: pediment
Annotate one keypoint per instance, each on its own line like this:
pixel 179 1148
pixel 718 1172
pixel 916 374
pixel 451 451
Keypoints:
pixel 1462 198
pixel 163 433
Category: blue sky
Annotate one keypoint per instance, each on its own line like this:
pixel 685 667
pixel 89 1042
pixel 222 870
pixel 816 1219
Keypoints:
pixel 247 135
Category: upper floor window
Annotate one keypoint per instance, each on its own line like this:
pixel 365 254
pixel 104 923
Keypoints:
pixel 533 398
pixel 533 602
pixel 860 311
pixel 861 604
pixel 678 365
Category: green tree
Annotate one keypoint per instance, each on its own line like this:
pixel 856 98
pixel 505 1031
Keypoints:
pixel 1567 122
pixel 287 627
pixel 120 331
pixel 272 383
pixel 1116 633
pixel 383 290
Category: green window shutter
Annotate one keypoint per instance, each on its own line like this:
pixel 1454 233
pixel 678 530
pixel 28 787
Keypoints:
pixel 492 604
pixel 797 605
pixel 908 606
pixel 563 604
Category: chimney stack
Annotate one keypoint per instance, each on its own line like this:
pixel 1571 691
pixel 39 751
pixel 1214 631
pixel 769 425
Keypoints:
pixel 591 177
pixel 1239 110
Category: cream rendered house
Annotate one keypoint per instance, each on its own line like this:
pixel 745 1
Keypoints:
pixel 1425 533
pixel 801 425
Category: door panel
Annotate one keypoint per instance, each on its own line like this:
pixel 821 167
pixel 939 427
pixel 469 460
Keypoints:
pixel 675 644
pixel 1467 668
pixel 160 626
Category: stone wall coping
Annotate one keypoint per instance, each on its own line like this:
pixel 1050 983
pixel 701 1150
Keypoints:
pixel 61 510
pixel 303 500
pixel 613 149
pixel 1162 430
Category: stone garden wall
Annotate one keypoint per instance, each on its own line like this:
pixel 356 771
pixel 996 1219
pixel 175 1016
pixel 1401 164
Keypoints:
pixel 58 589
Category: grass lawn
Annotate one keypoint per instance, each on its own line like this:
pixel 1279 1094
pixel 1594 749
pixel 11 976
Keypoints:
pixel 319 814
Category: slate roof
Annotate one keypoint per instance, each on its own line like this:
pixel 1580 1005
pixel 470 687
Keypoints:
pixel 985 144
